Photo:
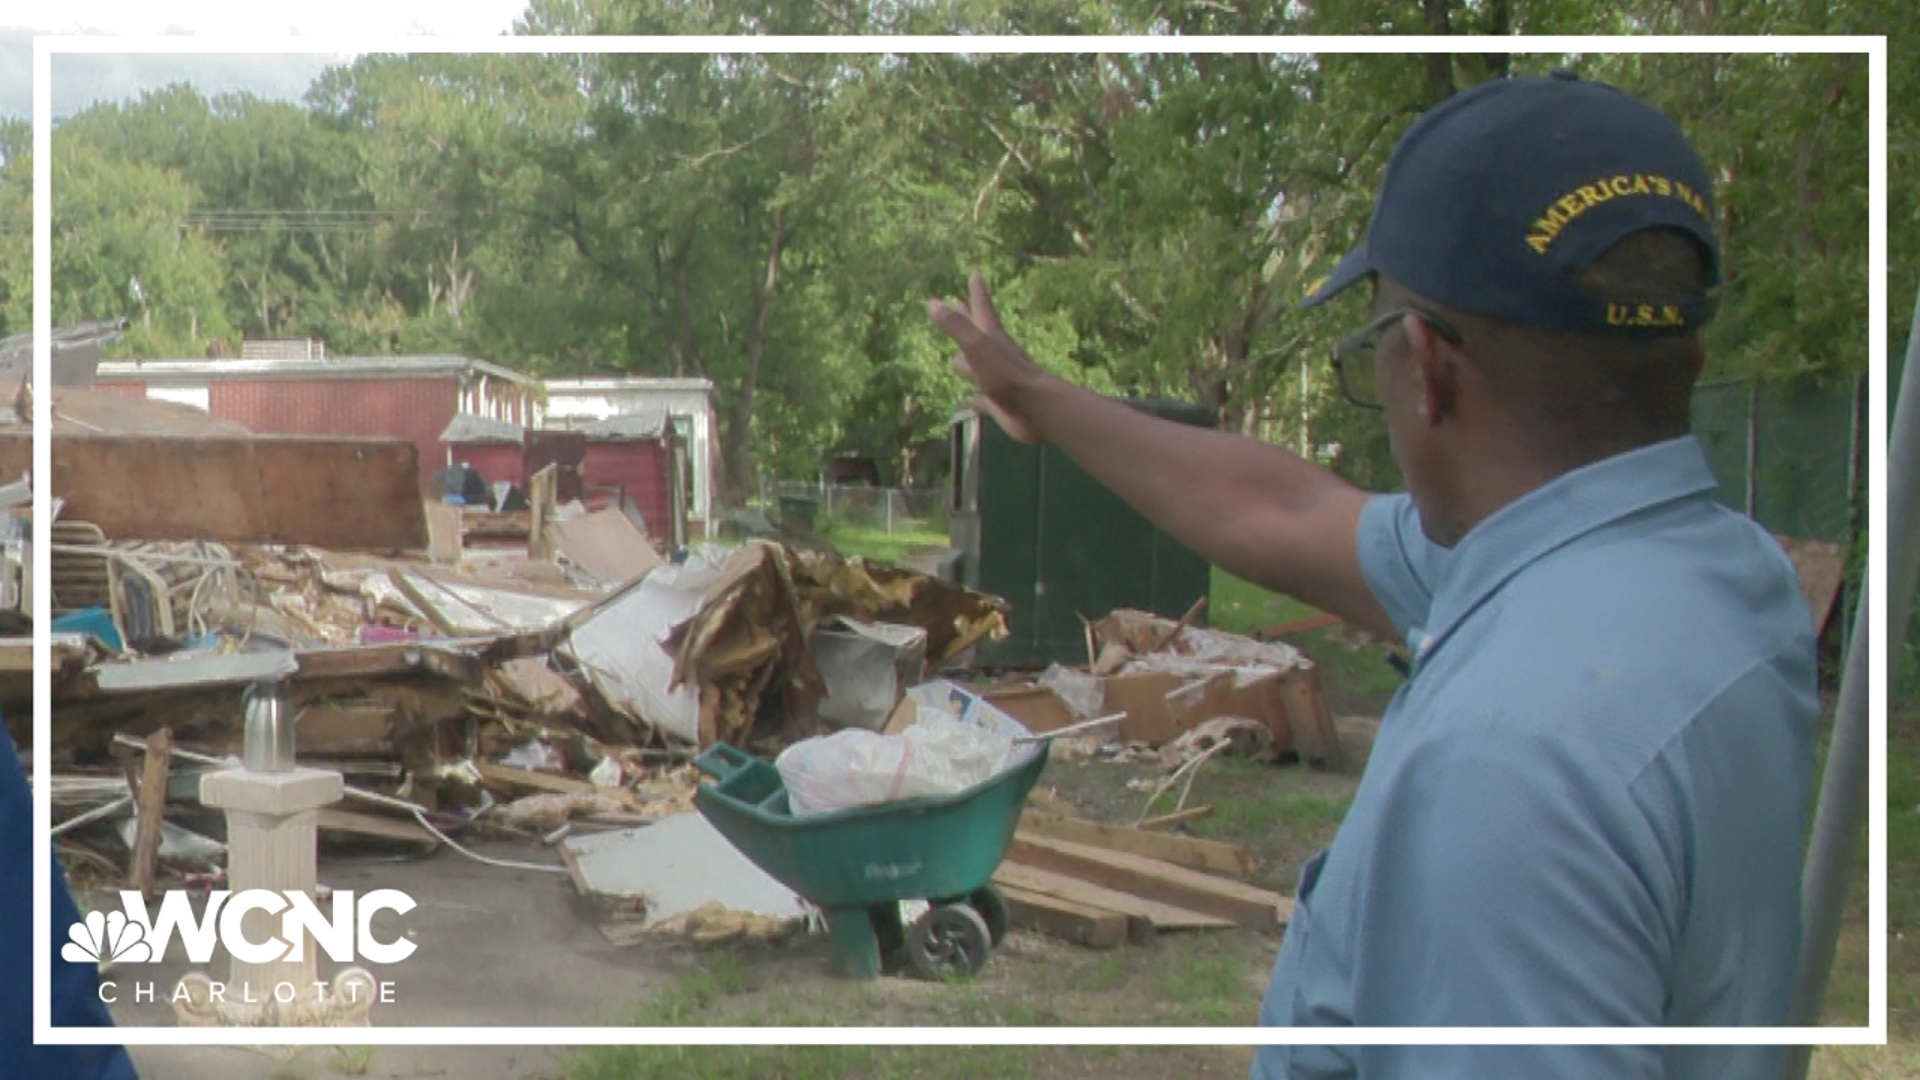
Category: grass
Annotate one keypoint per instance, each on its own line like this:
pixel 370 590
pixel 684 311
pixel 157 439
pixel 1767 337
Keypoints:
pixel 1207 980
pixel 908 538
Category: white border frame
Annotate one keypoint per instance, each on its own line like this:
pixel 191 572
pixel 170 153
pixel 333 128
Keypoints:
pixel 1875 49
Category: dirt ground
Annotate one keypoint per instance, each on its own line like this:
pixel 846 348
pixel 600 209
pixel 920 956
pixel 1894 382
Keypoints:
pixel 501 947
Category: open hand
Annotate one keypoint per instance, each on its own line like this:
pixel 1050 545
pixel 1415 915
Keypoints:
pixel 990 360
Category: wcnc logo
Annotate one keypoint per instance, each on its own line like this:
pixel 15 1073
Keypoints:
pixel 133 936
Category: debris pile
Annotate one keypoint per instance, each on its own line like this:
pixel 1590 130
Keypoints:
pixel 537 672
pixel 498 692
pixel 1164 680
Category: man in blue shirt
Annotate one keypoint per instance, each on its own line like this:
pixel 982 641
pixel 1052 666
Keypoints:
pixel 1586 806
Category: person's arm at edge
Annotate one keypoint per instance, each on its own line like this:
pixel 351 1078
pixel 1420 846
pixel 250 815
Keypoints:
pixel 1250 508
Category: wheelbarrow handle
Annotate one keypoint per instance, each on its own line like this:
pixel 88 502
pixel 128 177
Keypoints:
pixel 722 761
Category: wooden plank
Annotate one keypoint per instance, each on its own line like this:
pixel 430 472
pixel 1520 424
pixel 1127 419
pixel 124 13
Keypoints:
pixel 540 504
pixel 415 596
pixel 1065 919
pixel 1155 879
pixel 313 488
pixel 151 804
pixel 443 533
pixel 1153 913
pixel 339 493
pixel 405 658
pixel 335 820
pixel 572 863
pixel 511 777
pixel 1209 855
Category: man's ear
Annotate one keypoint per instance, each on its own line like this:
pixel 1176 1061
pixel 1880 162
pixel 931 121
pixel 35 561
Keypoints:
pixel 1437 363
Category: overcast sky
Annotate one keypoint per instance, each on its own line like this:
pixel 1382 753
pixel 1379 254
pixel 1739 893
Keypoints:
pixel 78 81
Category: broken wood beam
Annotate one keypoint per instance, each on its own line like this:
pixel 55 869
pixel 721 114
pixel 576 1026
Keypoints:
pixel 1212 856
pixel 1081 924
pixel 150 802
pixel 1155 879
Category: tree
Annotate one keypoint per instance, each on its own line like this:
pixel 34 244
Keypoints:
pixel 16 225
pixel 119 247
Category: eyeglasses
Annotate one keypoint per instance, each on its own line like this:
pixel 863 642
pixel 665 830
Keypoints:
pixel 1353 354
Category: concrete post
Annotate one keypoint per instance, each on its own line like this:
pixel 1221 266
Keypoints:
pixel 272 822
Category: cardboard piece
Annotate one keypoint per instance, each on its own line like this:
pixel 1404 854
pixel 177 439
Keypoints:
pixel 866 668
pixel 1163 705
pixel 605 544
pixel 1039 708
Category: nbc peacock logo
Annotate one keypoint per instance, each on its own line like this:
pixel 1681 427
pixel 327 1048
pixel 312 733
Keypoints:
pixel 106 937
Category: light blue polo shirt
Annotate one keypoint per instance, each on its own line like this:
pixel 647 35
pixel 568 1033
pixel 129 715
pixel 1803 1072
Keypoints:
pixel 1587 804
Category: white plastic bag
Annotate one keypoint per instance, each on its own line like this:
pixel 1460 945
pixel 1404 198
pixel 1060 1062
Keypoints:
pixel 937 755
pixel 1083 694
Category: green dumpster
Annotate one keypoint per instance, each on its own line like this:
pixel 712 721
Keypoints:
pixel 1029 525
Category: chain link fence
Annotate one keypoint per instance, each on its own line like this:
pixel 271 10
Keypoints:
pixel 893 511
pixel 1791 457
pixel 1788 456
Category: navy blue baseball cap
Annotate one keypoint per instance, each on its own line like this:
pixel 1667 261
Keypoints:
pixel 1497 197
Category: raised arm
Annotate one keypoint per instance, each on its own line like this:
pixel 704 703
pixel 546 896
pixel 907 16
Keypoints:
pixel 1251 508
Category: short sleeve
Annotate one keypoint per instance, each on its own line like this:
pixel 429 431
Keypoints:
pixel 1398 561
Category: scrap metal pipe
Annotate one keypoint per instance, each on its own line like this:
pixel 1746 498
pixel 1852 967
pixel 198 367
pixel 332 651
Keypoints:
pixel 1843 790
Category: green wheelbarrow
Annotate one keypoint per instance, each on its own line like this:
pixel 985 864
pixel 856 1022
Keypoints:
pixel 856 865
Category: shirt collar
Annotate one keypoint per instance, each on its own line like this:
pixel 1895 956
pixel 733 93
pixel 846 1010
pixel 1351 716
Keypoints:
pixel 1554 515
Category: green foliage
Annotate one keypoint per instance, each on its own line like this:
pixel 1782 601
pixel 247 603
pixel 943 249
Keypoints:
pixel 775 223
pixel 119 247
pixel 16 225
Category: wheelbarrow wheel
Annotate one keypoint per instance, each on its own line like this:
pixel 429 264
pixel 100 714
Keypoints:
pixel 950 939
pixel 991 903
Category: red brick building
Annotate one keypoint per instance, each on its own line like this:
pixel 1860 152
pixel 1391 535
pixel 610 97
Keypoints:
pixel 410 397
pixel 638 457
